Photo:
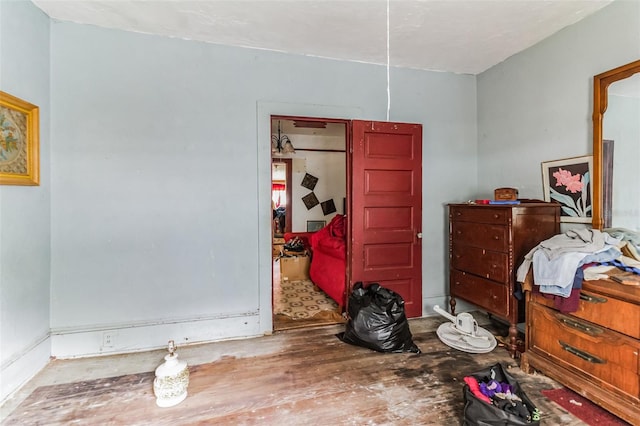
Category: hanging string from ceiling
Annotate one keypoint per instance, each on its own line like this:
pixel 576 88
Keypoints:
pixel 388 65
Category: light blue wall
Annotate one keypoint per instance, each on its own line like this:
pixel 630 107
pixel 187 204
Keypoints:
pixel 537 105
pixel 25 210
pixel 161 167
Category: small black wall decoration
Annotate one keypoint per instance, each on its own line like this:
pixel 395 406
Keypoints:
pixel 309 181
pixel 328 207
pixel 310 200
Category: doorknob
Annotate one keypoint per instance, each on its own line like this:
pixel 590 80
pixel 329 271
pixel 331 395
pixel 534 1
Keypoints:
pixel 419 235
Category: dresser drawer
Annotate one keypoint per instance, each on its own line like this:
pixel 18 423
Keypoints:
pixel 606 311
pixel 480 214
pixel 488 295
pixel 490 237
pixel 608 357
pixel 487 264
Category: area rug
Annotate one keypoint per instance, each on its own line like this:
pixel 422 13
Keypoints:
pixel 301 300
pixel 582 408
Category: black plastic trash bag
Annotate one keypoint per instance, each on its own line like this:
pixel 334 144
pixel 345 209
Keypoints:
pixel 377 320
pixel 500 412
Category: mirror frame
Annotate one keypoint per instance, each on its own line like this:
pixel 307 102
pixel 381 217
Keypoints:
pixel 601 83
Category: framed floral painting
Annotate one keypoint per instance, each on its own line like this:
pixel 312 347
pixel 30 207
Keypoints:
pixel 568 182
pixel 19 141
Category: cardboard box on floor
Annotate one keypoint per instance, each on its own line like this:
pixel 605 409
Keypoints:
pixel 294 268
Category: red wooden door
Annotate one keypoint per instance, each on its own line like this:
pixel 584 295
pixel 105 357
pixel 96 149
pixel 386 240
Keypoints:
pixel 386 208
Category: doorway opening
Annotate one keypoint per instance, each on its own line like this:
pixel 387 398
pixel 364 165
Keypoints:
pixel 308 194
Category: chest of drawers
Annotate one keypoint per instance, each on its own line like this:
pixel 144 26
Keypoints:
pixel 486 245
pixel 595 350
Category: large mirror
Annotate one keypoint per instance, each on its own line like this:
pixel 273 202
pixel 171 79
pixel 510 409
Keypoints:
pixel 616 148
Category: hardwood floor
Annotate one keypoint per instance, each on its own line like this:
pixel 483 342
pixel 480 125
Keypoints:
pixel 296 377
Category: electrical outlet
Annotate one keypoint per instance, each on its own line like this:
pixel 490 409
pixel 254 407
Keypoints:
pixel 108 339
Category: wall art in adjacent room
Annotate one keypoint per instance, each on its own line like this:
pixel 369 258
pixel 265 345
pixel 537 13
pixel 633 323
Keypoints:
pixel 310 200
pixel 328 207
pixel 309 181
pixel 315 225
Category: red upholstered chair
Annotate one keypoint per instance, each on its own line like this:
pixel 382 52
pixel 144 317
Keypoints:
pixel 328 250
pixel 328 261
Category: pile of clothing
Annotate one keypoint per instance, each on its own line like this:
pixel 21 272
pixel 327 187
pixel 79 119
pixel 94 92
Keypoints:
pixel 562 262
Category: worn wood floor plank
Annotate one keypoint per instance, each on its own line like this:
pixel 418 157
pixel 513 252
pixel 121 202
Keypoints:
pixel 313 379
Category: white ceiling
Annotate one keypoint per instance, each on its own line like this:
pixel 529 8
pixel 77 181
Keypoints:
pixel 460 36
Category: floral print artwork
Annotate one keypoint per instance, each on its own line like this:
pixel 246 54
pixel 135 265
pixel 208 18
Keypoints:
pixel 572 184
pixel 568 182
pixel 12 141
pixel 19 141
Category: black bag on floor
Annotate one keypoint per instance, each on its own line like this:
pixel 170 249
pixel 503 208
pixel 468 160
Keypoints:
pixel 481 413
pixel 377 320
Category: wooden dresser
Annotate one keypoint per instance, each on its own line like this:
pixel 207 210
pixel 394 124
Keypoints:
pixel 487 243
pixel 593 351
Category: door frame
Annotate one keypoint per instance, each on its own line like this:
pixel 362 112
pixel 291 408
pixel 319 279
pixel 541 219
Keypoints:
pixel 264 112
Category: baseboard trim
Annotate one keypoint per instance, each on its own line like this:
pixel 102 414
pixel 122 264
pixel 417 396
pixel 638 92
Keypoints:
pixel 111 339
pixel 23 366
pixel 443 302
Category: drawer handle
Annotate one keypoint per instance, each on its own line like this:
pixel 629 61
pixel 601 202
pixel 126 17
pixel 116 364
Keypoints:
pixel 496 216
pixel 581 354
pixel 588 329
pixel 592 299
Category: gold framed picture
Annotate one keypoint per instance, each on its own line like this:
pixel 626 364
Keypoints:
pixel 19 141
